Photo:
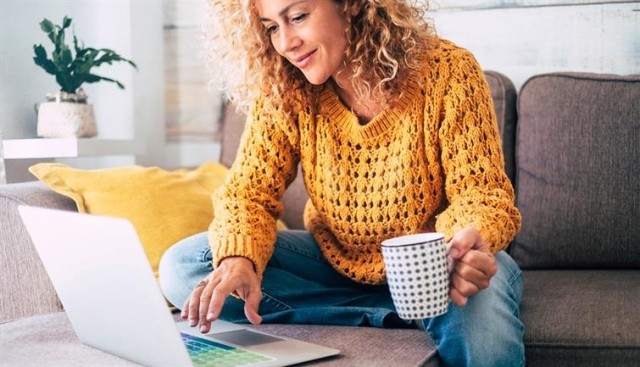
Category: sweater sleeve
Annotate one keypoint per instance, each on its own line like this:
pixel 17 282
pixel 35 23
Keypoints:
pixel 247 205
pixel 478 191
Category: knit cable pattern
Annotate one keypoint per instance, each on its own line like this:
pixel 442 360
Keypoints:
pixel 431 162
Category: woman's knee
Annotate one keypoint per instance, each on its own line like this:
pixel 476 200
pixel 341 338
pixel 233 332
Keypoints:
pixel 182 266
pixel 509 277
pixel 488 330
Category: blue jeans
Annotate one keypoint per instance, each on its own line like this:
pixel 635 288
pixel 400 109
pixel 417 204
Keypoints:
pixel 300 286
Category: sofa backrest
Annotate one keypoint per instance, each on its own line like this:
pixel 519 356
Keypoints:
pixel 578 171
pixel 504 97
pixel 295 198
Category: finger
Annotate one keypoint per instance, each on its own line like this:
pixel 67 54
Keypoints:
pixel 463 286
pixel 203 310
pixel 218 297
pixel 484 262
pixel 194 303
pixel 463 241
pixel 458 299
pixel 252 304
pixel 185 309
pixel 472 275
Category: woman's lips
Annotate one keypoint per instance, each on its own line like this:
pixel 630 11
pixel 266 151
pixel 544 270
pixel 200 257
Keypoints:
pixel 304 60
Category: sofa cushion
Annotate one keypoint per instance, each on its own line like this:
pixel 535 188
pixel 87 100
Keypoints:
pixel 49 340
pixel 581 317
pixel 232 127
pixel 21 272
pixel 578 164
pixel 43 340
pixel 164 206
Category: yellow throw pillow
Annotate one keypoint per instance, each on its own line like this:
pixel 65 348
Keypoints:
pixel 164 206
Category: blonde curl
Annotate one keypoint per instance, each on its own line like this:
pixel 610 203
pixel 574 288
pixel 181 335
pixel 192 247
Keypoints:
pixel 387 42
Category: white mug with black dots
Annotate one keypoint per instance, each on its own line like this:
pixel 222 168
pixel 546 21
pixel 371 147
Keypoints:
pixel 417 273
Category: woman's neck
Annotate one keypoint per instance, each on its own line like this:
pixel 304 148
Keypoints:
pixel 364 108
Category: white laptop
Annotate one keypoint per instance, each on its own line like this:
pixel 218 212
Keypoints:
pixel 101 274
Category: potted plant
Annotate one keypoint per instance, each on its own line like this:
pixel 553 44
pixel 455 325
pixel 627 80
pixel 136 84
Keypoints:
pixel 67 113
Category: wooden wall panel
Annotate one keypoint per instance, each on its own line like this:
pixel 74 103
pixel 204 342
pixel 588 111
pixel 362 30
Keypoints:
pixel 523 41
pixel 192 108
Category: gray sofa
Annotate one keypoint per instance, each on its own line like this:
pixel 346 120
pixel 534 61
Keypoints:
pixel 572 148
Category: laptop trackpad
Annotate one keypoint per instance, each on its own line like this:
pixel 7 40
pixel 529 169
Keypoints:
pixel 245 337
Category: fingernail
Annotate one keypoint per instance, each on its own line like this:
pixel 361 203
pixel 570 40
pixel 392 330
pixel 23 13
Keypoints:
pixel 210 316
pixel 192 322
pixel 203 329
pixel 453 253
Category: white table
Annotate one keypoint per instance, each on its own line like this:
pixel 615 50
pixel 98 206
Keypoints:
pixel 69 147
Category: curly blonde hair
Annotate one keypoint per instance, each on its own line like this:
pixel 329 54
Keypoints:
pixel 387 39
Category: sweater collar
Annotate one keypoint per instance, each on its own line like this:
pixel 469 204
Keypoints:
pixel 336 112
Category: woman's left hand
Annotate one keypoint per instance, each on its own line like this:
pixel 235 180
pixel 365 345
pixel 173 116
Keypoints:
pixel 472 265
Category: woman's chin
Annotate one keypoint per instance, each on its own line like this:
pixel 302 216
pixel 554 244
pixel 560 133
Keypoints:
pixel 315 79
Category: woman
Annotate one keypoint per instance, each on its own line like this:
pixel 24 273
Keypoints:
pixel 395 133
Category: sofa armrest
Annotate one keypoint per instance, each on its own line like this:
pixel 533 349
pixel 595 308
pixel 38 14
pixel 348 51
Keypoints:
pixel 25 288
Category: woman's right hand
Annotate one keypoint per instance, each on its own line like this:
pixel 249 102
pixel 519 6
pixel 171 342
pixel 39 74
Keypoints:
pixel 234 274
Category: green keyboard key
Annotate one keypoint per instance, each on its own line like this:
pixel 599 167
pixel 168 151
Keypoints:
pixel 205 352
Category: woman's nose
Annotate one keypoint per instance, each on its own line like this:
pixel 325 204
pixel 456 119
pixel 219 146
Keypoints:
pixel 289 39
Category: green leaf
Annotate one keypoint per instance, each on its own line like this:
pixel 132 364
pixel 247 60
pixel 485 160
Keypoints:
pixel 76 81
pixel 83 67
pixel 56 56
pixel 92 78
pixel 66 56
pixel 48 66
pixel 40 52
pixel 47 26
pixel 60 40
pixel 107 58
pixel 53 36
pixel 76 46
pixel 65 85
pixel 91 56
pixel 81 52
pixel 41 60
pixel 110 56
pixel 66 22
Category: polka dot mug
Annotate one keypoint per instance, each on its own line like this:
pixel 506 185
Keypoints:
pixel 417 274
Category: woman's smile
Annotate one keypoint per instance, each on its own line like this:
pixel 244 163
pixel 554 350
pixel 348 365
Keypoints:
pixel 304 60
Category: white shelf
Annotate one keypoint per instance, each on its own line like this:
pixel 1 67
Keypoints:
pixel 69 147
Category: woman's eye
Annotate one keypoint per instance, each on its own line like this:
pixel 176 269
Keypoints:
pixel 271 29
pixel 298 18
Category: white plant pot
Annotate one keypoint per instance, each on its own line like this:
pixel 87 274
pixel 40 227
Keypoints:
pixel 65 120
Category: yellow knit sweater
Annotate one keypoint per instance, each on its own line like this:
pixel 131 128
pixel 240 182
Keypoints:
pixel 432 162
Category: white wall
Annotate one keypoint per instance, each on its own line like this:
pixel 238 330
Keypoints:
pixel 521 38
pixel 131 28
pixel 22 82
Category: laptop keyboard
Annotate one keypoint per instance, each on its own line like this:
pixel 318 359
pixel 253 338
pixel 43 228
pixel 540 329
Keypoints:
pixel 204 352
